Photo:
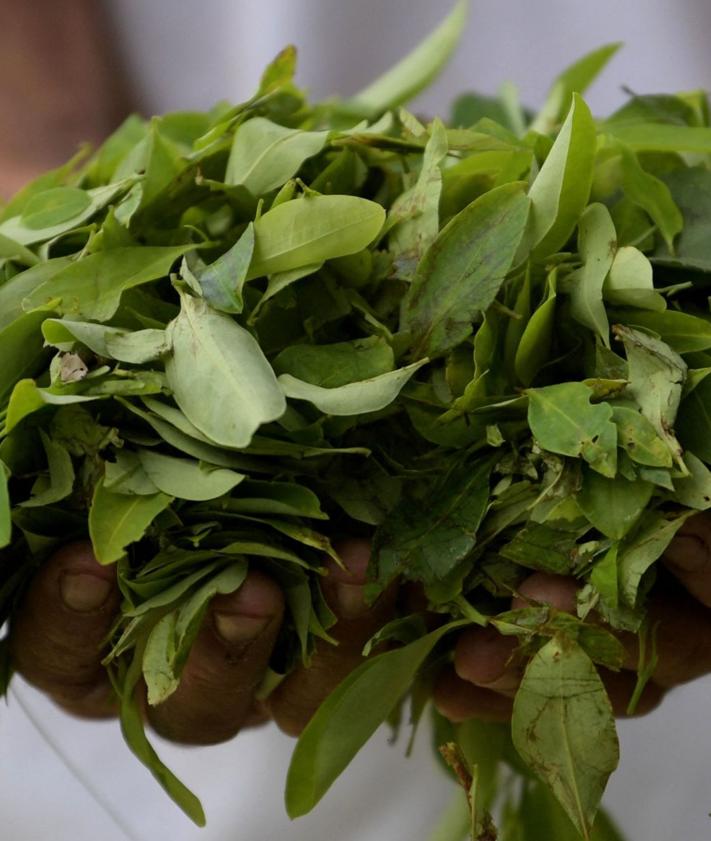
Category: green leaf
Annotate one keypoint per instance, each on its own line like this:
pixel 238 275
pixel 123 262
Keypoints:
pixel 14 291
pixel 5 517
pixel 653 196
pixel 115 521
pixel 279 281
pixel 52 207
pixel 27 398
pixel 61 475
pixel 274 497
pixel 126 475
pixel 564 729
pixel 661 137
pixel 334 365
pixel 158 659
pixel 356 398
pixel 216 363
pixel 564 421
pixel 630 282
pixel 545 819
pixel 604 577
pixel 186 479
pixel 639 438
pixel 683 332
pixel 172 637
pixel 537 339
pixel 265 155
pixel 131 131
pixel 415 213
pixel 11 250
pixel 22 350
pixel 192 445
pixel 461 182
pixel 91 287
pixel 279 72
pixel 414 72
pixel 541 547
pixel 428 541
pixel 134 734
pixel 463 270
pixel 643 548
pixel 680 109
pixel 222 282
pixel 174 416
pixel 694 491
pixel 694 421
pixel 348 718
pixel 690 191
pixel 605 828
pixel 136 348
pixel 597 243
pixel 656 378
pixel 160 164
pixel 613 506
pixel 188 569
pixel 309 230
pixel 562 187
pixel 191 613
pixel 574 79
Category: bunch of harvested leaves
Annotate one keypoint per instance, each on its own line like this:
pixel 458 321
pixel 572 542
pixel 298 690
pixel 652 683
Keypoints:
pixel 229 336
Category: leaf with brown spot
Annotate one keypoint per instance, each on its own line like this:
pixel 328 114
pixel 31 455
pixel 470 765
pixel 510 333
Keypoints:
pixel 564 729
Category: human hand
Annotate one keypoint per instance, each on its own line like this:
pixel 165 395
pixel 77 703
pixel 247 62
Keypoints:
pixel 485 674
pixel 58 632
pixel 57 635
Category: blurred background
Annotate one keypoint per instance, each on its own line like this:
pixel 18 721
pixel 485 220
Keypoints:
pixel 70 70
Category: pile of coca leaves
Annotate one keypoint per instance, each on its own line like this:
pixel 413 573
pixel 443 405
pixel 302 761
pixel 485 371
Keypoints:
pixel 228 337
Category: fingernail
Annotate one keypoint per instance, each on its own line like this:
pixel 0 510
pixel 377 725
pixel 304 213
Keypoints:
pixel 234 628
pixel 351 600
pixel 84 592
pixel 688 553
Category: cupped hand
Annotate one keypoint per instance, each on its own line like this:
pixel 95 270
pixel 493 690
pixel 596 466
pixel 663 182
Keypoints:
pixel 486 672
pixel 58 633
pixel 57 637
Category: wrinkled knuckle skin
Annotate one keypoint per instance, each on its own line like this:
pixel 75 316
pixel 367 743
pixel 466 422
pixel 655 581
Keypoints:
pixel 58 651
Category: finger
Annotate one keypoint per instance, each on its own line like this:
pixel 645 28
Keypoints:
pixel 214 699
pixel 688 557
pixel 682 636
pixel 485 658
pixel 559 591
pixel 57 634
pixel 459 700
pixel 298 697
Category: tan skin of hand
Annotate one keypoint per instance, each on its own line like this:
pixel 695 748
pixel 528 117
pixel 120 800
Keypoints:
pixel 56 642
pixel 485 673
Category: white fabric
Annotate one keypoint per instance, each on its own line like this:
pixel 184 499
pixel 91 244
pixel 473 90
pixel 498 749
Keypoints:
pixel 662 790
pixel 241 785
